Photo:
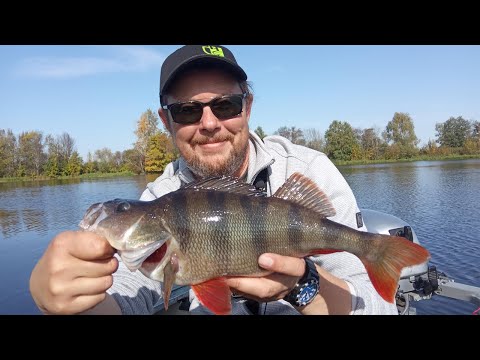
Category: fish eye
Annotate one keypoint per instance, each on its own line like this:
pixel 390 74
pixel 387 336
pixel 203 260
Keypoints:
pixel 123 206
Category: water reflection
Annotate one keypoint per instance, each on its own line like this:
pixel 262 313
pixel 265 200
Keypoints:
pixel 9 222
pixel 441 200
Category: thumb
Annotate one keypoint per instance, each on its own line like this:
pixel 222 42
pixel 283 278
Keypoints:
pixel 282 264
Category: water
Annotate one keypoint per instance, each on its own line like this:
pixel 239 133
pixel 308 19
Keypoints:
pixel 31 213
pixel 441 200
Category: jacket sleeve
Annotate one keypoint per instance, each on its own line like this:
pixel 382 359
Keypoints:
pixel 344 265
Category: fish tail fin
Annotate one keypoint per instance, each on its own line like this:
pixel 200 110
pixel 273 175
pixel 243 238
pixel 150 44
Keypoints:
pixel 384 267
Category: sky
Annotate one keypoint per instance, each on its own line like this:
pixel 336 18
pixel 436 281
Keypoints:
pixel 98 93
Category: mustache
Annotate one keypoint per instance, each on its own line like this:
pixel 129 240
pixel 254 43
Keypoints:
pixel 202 140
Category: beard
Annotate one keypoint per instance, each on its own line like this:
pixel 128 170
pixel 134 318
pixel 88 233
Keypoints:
pixel 217 165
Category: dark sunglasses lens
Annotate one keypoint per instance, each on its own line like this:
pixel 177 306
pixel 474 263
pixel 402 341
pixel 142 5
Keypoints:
pixel 227 107
pixel 186 113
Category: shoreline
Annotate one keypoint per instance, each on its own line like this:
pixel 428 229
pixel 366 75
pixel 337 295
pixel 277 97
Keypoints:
pixel 337 163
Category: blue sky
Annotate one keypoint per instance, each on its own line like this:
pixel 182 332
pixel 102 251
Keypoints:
pixel 97 93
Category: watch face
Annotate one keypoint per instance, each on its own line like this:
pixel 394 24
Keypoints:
pixel 308 292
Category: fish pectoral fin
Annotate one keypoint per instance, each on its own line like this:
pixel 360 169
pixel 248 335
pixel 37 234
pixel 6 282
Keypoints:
pixel 303 191
pixel 215 295
pixel 169 275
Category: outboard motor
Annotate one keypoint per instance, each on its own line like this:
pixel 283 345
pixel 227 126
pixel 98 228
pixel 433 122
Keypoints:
pixel 418 281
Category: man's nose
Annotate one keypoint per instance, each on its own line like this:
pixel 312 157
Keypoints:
pixel 209 121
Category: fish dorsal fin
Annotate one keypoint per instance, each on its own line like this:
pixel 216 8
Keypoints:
pixel 229 184
pixel 303 191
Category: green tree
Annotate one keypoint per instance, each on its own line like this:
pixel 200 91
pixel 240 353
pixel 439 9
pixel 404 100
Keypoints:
pixel 371 143
pixel 341 142
pixel 105 160
pixel 89 166
pixel 74 165
pixel 453 132
pixel 52 168
pixel 400 133
pixel 31 156
pixel 259 131
pixel 8 149
pixel 131 161
pixel 476 129
pixel 146 128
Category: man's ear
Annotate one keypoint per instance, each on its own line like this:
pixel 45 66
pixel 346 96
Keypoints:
pixel 164 117
pixel 248 105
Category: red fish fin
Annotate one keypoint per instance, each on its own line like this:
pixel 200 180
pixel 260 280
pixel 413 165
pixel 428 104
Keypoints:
pixel 303 191
pixel 324 251
pixel 385 265
pixel 214 294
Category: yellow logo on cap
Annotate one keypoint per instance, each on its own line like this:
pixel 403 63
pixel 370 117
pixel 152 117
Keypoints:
pixel 213 50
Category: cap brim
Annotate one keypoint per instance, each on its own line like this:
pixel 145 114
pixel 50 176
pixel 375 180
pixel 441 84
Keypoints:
pixel 233 68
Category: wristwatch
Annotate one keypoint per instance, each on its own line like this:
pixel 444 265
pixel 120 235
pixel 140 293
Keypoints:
pixel 307 287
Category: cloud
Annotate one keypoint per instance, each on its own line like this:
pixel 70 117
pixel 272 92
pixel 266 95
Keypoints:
pixel 119 59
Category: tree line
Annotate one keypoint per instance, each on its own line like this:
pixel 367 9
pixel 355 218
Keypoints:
pixel 342 142
pixel 31 154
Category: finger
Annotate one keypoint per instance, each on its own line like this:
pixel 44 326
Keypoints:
pixel 84 303
pixel 95 268
pixel 90 286
pixel 282 264
pixel 271 287
pixel 85 245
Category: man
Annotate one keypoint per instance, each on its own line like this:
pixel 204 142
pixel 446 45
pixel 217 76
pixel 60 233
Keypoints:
pixel 206 104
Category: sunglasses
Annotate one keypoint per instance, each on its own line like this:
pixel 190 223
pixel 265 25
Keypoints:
pixel 190 112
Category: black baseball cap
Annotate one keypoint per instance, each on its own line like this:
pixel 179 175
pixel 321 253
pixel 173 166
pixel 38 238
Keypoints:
pixel 189 55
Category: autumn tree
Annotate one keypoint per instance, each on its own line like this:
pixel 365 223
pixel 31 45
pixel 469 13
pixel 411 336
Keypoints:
pixel 160 153
pixel 146 128
pixel 341 142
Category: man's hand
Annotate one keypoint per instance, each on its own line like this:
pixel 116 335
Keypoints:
pixel 333 298
pixel 73 274
pixel 286 271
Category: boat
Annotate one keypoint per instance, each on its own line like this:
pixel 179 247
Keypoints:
pixel 417 283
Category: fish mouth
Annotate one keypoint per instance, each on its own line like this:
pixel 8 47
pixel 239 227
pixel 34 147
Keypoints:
pixel 134 258
pixel 93 216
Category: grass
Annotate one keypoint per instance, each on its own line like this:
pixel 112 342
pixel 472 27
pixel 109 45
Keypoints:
pixel 417 158
pixel 82 176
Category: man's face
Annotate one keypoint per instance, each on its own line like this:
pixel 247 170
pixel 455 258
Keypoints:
pixel 211 147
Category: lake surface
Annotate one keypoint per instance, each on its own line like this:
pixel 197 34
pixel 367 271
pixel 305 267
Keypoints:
pixel 440 200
